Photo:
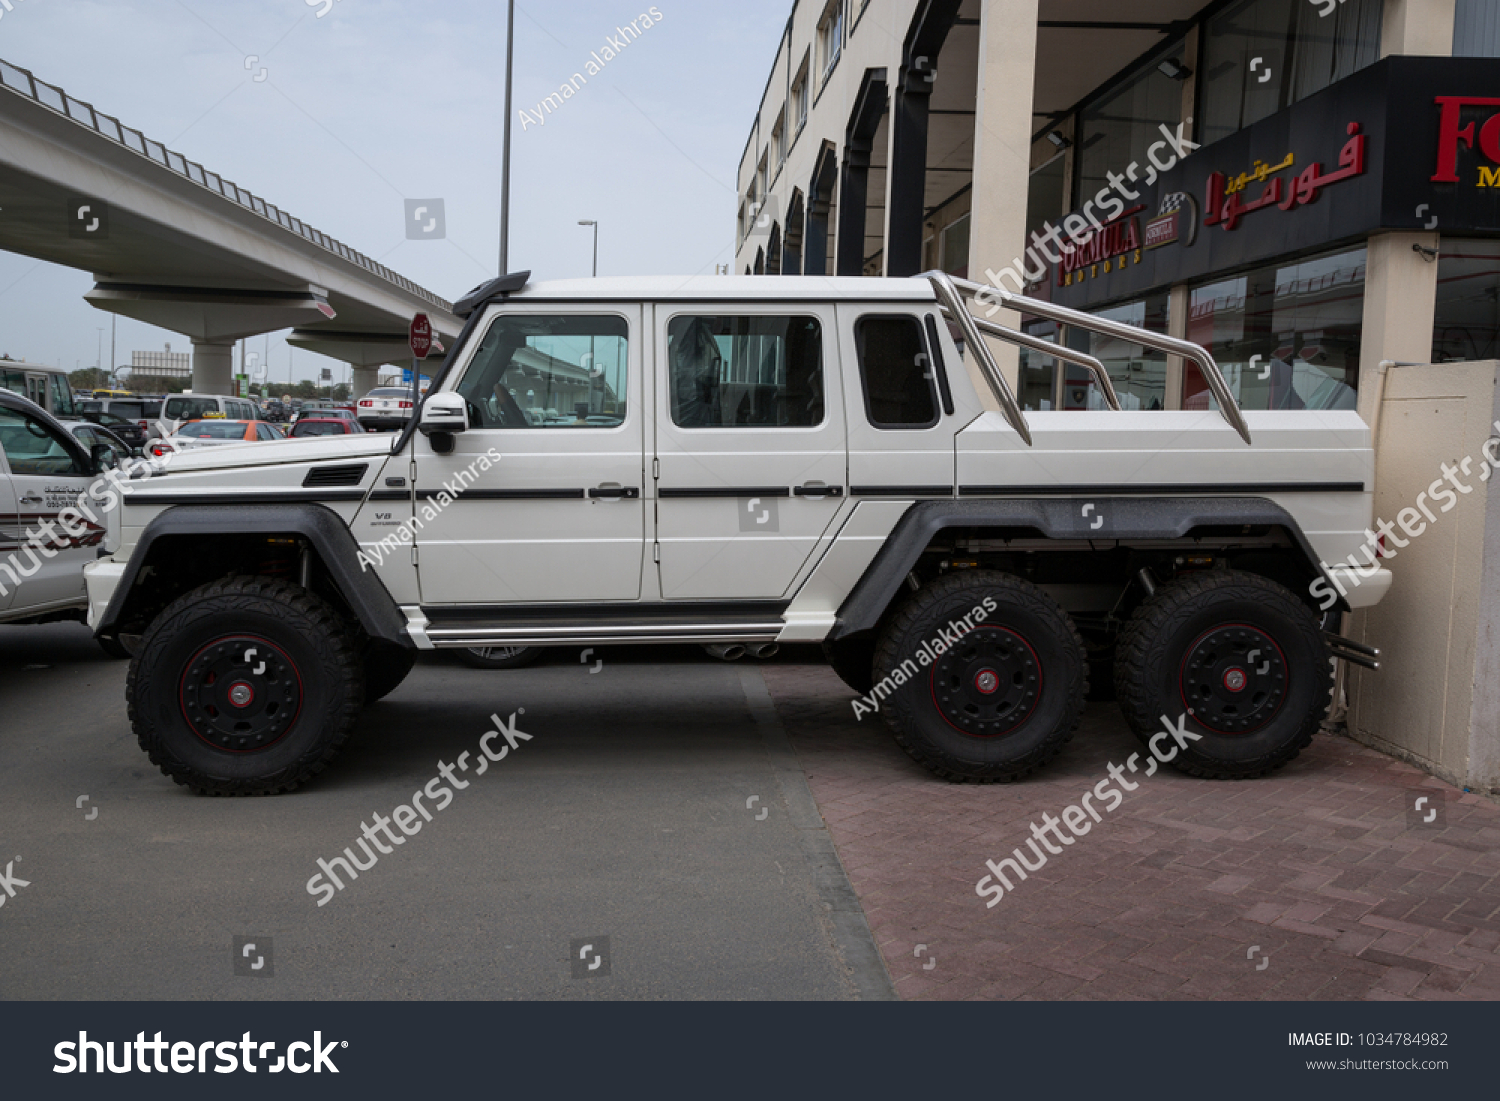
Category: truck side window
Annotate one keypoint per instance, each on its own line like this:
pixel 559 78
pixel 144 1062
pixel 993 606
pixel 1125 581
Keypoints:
pixel 32 448
pixel 750 372
pixel 897 372
pixel 550 371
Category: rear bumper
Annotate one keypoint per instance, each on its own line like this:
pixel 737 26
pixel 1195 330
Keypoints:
pixel 1361 590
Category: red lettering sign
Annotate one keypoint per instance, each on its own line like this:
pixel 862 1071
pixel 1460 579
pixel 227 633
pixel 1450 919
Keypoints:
pixel 1450 134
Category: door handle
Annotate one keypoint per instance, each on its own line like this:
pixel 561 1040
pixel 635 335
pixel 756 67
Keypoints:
pixel 819 491
pixel 32 499
pixel 615 493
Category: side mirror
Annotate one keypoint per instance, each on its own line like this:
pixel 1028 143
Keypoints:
pixel 103 456
pixel 444 413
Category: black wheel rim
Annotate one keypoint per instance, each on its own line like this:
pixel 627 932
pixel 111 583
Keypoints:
pixel 1234 679
pixel 241 694
pixel 988 683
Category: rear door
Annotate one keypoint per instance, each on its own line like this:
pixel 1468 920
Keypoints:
pixel 750 445
pixel 46 478
pixel 12 531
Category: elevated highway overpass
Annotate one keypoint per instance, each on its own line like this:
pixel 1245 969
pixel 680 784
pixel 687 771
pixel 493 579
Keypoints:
pixel 171 243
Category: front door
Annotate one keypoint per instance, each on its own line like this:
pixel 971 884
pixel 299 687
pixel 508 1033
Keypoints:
pixel 45 477
pixel 541 499
pixel 750 443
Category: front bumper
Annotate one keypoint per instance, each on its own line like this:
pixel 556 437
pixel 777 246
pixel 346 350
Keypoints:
pixel 101 578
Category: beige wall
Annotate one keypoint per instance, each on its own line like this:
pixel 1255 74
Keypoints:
pixel 1400 307
pixel 1436 700
pixel 1423 28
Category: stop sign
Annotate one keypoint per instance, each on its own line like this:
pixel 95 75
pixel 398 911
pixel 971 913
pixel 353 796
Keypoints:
pixel 419 336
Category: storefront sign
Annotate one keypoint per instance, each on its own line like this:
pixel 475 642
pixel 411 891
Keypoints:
pixel 1409 143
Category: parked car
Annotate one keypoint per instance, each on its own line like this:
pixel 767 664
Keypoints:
pixel 324 426
pixel 92 435
pixel 385 407
pixel 132 432
pixel 215 433
pixel 798 459
pixel 45 470
pixel 274 411
pixel 182 408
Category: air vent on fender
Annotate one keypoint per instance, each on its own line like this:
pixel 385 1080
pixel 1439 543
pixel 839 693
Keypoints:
pixel 334 477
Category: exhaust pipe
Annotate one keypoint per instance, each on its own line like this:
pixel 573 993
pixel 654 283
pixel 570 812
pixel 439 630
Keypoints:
pixel 725 651
pixel 764 650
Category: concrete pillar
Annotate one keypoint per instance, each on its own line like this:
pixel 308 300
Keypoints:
pixel 365 380
pixel 906 179
pixel 213 367
pixel 1400 307
pixel 1178 299
pixel 854 184
pixel 1002 154
pixel 1421 28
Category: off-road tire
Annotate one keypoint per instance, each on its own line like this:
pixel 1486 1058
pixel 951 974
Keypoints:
pixel 1190 644
pixel 499 657
pixel 1037 678
pixel 386 666
pixel 309 663
pixel 853 659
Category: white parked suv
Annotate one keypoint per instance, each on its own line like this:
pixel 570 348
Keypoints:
pixel 178 409
pixel 50 524
pixel 753 461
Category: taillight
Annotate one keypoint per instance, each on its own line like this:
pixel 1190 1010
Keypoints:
pixel 367 405
pixel 160 448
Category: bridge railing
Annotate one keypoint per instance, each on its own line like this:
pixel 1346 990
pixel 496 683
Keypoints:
pixel 56 99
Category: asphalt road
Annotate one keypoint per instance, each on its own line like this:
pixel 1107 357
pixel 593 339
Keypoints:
pixel 619 836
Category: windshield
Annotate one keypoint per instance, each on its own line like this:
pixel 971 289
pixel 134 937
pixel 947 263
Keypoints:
pixel 318 428
pixel 186 409
pixel 214 430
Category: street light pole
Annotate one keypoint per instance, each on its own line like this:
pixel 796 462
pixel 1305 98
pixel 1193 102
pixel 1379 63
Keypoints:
pixel 510 58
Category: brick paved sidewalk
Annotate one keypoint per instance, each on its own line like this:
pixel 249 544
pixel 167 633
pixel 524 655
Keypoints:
pixel 1323 865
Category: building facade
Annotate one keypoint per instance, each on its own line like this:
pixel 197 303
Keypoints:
pixel 1306 187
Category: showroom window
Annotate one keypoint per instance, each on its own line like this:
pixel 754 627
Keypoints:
pixel 1119 128
pixel 1476 29
pixel 1285 336
pixel 1302 50
pixel 1467 325
pixel 1139 374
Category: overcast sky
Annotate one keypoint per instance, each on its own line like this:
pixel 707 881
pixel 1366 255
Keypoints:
pixel 383 100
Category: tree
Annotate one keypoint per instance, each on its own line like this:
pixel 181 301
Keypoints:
pixel 90 378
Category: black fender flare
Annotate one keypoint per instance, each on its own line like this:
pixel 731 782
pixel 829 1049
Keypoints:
pixel 1110 518
pixel 370 600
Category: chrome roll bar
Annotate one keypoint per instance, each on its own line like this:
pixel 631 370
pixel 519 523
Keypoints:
pixel 951 293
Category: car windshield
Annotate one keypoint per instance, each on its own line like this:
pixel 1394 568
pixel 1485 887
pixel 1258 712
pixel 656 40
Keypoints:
pixel 136 410
pixel 214 430
pixel 318 428
pixel 186 409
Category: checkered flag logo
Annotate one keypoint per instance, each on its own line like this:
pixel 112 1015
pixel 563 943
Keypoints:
pixel 1173 202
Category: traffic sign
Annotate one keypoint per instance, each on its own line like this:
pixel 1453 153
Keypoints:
pixel 419 336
